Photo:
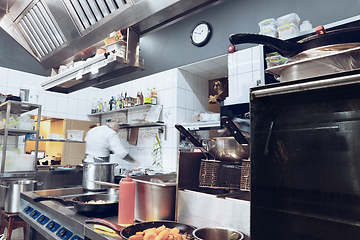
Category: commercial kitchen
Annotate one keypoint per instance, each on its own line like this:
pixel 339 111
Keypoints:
pixel 242 115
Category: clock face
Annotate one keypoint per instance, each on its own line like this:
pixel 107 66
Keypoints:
pixel 200 34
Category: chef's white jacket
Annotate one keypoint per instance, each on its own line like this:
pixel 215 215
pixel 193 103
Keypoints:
pixel 102 140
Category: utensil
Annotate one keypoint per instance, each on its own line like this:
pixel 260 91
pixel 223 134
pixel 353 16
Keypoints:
pixel 216 233
pixel 289 49
pixel 81 204
pixel 127 232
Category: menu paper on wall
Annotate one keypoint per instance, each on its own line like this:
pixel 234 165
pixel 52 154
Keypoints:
pixel 154 113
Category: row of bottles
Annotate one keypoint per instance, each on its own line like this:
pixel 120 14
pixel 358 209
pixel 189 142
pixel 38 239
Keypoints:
pixel 124 101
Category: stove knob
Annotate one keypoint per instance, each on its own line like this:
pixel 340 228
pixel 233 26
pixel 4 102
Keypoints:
pixel 62 232
pixel 34 213
pixel 42 218
pixel 51 225
pixel 27 208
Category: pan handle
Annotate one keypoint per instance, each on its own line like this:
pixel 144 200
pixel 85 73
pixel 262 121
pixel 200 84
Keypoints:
pixel 117 228
pixel 235 131
pixel 194 141
pixel 284 48
pixel 63 201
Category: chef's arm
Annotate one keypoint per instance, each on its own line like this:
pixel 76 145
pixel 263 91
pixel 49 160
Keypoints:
pixel 131 160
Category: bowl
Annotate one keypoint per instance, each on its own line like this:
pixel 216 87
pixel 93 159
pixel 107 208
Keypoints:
pixel 216 233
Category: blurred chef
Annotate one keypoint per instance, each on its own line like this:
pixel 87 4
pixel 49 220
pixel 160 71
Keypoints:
pixel 101 141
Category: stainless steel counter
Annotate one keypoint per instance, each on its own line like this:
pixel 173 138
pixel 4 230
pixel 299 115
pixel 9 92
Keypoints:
pixel 66 217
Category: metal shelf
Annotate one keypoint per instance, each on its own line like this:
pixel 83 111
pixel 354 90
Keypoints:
pixel 17 132
pixel 202 125
pixel 18 107
pixel 56 140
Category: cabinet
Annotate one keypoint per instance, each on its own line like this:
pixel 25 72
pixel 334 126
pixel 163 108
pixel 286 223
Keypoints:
pixel 55 142
pixel 15 108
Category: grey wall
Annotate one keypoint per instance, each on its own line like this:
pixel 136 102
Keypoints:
pixel 13 56
pixel 170 47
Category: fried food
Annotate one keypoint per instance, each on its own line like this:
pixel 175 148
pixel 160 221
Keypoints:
pixel 160 233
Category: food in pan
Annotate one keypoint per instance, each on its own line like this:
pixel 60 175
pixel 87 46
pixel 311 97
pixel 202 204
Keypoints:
pixel 100 201
pixel 160 233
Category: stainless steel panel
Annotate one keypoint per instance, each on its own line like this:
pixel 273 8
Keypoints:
pixel 205 210
pixel 95 9
pixel 54 40
pixel 104 10
pixel 32 41
pixel 54 29
pixel 79 11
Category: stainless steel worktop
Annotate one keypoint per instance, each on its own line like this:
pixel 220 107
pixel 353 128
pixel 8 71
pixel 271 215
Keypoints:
pixel 66 217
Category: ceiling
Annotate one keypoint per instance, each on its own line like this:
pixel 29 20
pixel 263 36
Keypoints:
pixel 4 5
pixel 209 69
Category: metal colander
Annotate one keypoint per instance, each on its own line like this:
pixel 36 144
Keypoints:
pixel 220 174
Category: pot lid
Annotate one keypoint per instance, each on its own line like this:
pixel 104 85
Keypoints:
pixel 315 54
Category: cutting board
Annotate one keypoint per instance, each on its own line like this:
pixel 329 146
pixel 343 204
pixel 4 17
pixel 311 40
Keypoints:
pixel 134 132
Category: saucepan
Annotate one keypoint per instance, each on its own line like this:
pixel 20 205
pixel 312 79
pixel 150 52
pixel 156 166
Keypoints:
pixel 82 205
pixel 231 149
pixel 127 232
pixel 323 53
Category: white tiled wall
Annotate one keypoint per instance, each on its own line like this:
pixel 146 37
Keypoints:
pixel 245 71
pixel 180 93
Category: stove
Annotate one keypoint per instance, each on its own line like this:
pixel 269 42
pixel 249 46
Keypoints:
pixel 54 221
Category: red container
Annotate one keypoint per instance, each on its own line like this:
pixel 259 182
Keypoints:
pixel 126 201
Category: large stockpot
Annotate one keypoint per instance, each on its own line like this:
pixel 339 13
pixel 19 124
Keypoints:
pixel 97 172
pixel 10 192
pixel 155 197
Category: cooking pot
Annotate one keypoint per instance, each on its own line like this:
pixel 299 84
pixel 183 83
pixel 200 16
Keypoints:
pixel 10 192
pixel 81 204
pixel 216 233
pixel 97 172
pixel 127 232
pixel 317 55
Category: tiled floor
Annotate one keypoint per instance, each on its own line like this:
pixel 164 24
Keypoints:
pixel 17 234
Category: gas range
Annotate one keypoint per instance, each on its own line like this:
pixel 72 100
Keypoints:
pixel 52 220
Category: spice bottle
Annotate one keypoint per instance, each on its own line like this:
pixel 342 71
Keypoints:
pixel 126 201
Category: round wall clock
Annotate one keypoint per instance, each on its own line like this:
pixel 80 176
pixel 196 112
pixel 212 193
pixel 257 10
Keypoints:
pixel 200 34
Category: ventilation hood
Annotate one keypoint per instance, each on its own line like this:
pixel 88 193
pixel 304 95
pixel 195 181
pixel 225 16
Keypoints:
pixel 56 32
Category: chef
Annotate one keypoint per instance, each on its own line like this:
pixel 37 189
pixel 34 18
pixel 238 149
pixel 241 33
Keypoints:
pixel 101 141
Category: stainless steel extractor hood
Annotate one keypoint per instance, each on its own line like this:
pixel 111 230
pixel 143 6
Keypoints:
pixel 56 32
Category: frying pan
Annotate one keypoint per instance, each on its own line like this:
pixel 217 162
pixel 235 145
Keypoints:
pixel 289 49
pixel 88 209
pixel 232 149
pixel 126 232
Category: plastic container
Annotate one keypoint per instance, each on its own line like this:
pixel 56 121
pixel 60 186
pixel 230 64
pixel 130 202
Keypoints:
pixel 126 201
pixel 268 23
pixel 305 25
pixel 290 18
pixel 288 30
pixel 274 59
pixel 271 31
pixel 75 135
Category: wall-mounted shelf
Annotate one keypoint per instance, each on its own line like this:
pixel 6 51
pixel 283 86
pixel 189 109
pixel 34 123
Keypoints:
pixel 140 107
pixel 202 125
pixel 99 69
